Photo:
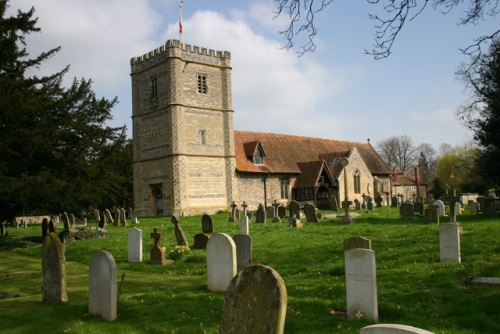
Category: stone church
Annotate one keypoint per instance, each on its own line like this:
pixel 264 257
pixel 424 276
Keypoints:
pixel 188 159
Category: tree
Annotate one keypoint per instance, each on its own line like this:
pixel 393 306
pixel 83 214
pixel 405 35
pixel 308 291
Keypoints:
pixel 427 162
pixel 302 14
pixel 482 113
pixel 51 138
pixel 398 152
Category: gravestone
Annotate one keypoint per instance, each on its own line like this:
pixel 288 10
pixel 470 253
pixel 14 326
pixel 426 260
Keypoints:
pixel 53 270
pixel 431 216
pixel 97 215
pixel 45 228
pixel 261 215
pixel 109 218
pixel 482 201
pixel 449 242
pixel 294 209
pixel 244 206
pixel 232 218
pixel 135 245
pixel 275 216
pixel 117 217
pixel 369 205
pixel 441 207
pixel 490 209
pixel 474 207
pixel 357 204
pixel 255 302
pixel 66 221
pixel 237 215
pixel 418 207
pixel 123 216
pixel 244 222
pixel 406 210
pixel 378 201
pixel 357 242
pixel 104 222
pixel 102 285
pixel 394 201
pixel 243 243
pixel 179 233
pixel 157 253
pixel 2 227
pixel 270 212
pixel 361 282
pixel 221 261
pixel 334 205
pixel 310 213
pixel 392 329
pixel 72 221
pixel 295 222
pixel 207 224
pixel 281 211
pixel 200 241
pixel 454 199
pixel 52 226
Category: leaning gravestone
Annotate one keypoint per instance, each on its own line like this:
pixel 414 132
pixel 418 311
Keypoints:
pixel 310 212
pixel 179 233
pixel 53 270
pixel 255 302
pixel 200 241
pixel 449 242
pixel 243 243
pixel 104 222
pixel 66 221
pixel 102 285
pixel 207 224
pixel 261 215
pixel 392 329
pixel 97 215
pixel 361 279
pixel 135 245
pixel 406 210
pixel 431 216
pixel 109 217
pixel 221 261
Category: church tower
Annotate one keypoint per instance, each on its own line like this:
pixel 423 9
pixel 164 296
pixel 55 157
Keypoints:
pixel 184 158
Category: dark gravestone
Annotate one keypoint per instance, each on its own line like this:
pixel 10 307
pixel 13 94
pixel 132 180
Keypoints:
pixel 261 215
pixel 2 228
pixel 52 226
pixel 157 253
pixel 406 210
pixel 431 215
pixel 45 228
pixel 418 207
pixel 482 202
pixel 357 204
pixel 200 241
pixel 103 222
pixel 123 215
pixel 490 209
pixel 179 233
pixel 334 205
pixel 270 212
pixel 207 224
pixel 255 302
pixel 310 212
pixel 66 221
pixel 53 270
pixel 394 202
pixel 243 243
pixel 357 242
pixel 281 211
pixel 369 205
pixel 294 209
pixel 378 201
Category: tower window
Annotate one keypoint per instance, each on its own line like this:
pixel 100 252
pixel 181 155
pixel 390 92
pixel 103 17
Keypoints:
pixel 202 84
pixel 154 87
pixel 203 137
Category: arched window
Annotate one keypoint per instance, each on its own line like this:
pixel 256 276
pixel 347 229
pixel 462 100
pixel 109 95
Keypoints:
pixel 357 182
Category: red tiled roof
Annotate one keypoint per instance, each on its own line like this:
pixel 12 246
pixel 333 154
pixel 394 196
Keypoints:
pixel 405 179
pixel 310 174
pixel 283 152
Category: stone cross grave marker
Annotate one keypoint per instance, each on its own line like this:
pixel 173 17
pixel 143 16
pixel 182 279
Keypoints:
pixel 157 253
pixel 207 224
pixel 244 206
pixel 310 213
pixel 53 270
pixel 441 207
pixel 135 245
pixel 200 241
pixel 276 217
pixel 406 210
pixel 102 285
pixel 261 215
pixel 221 261
pixel 243 243
pixel 179 233
pixel 361 280
pixel 449 242
pixel 392 329
pixel 232 218
pixel 255 302
pixel 431 215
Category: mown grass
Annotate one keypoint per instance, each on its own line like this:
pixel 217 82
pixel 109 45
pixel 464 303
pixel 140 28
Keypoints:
pixel 414 288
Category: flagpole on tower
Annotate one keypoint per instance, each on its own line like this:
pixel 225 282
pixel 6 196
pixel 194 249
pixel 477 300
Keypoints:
pixel 181 4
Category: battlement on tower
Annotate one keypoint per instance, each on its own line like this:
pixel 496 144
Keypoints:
pixel 174 48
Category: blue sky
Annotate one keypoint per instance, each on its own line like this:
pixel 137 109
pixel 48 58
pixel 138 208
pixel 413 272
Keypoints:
pixel 337 92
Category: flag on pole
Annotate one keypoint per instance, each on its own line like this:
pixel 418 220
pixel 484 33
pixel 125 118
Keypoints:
pixel 181 4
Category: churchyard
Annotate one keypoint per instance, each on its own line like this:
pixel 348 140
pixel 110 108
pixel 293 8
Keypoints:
pixel 414 287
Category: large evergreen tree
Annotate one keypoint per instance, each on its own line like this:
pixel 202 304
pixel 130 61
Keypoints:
pixel 56 153
pixel 482 114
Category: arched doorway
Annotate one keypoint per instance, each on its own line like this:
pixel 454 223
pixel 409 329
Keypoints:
pixel 158 201
pixel 323 193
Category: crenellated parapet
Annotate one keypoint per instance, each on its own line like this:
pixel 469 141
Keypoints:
pixel 175 49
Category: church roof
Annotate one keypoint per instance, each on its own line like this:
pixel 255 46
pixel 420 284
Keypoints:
pixel 311 173
pixel 283 152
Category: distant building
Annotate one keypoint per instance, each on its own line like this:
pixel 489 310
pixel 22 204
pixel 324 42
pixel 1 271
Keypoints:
pixel 188 159
pixel 406 184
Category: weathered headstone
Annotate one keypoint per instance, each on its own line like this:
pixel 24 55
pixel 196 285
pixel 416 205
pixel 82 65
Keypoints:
pixel 207 224
pixel 276 218
pixel 52 226
pixel 295 222
pixel 109 217
pixel 261 215
pixel 237 215
pixel 200 241
pixel 431 216
pixel 332 202
pixel 392 329
pixel 2 227
pixel 243 243
pixel 378 201
pixel 294 209
pixel 117 217
pixel 357 204
pixel 357 242
pixel 474 207
pixel 269 212
pixel 449 242
pixel 281 211
pixel 406 210
pixel 490 209
pixel 157 253
pixel 103 222
pixel 369 204
pixel 45 228
pixel 102 285
pixel 135 245
pixel 394 201
pixel 482 202
pixel 221 261
pixel 418 207
pixel 361 283
pixel 123 216
pixel 97 215
pixel 179 233
pixel 53 270
pixel 66 221
pixel 244 225
pixel 255 302
pixel 310 213
pixel 440 206
pixel 72 221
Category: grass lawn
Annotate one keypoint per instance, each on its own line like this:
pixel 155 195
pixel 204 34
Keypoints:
pixel 414 288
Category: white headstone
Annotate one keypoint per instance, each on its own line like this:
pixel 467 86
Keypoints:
pixel 440 206
pixel 361 284
pixel 392 329
pixel 458 208
pixel 221 261
pixel 135 245
pixel 244 225
pixel 102 285
pixel 449 242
